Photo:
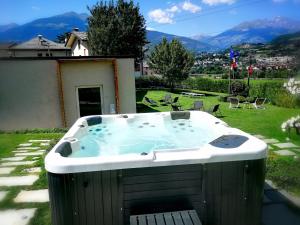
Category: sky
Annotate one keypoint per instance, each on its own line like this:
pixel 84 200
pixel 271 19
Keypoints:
pixel 180 17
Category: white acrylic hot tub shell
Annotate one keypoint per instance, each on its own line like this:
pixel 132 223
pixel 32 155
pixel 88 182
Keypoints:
pixel 252 149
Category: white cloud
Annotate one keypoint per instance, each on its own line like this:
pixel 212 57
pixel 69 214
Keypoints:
pixel 151 28
pixel 188 6
pixel 218 2
pixel 161 16
pixel 173 9
pixel 166 16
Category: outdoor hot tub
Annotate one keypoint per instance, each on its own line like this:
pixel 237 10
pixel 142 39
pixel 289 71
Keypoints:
pixel 107 168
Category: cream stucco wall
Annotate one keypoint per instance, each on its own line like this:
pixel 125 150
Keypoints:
pixel 29 95
pixel 29 92
pixel 126 85
pixel 86 74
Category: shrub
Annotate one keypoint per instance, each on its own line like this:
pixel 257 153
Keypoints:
pixel 207 84
pixel 284 172
pixel 149 81
pixel 239 88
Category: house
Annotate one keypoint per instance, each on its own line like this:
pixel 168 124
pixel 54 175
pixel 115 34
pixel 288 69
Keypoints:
pixel 5 49
pixel 39 47
pixel 147 70
pixel 54 92
pixel 78 43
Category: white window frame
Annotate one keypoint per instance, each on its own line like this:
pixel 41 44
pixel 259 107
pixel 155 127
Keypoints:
pixel 88 86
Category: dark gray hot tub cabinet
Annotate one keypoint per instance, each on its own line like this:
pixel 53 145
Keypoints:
pixel 224 193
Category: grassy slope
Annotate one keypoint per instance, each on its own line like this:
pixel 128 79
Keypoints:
pixel 265 122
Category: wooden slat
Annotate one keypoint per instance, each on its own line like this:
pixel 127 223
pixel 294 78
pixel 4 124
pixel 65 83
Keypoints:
pixel 186 218
pixel 169 219
pixel 133 220
pixel 151 219
pixel 160 219
pixel 161 170
pixel 161 178
pixel 142 220
pixel 177 218
pixel 161 193
pixel 194 217
pixel 163 185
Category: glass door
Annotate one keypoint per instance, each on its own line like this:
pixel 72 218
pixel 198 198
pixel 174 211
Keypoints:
pixel 89 101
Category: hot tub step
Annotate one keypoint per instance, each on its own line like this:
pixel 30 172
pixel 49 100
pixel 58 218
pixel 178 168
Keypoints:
pixel 178 217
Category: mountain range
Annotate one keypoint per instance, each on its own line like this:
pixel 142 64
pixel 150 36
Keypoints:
pixel 258 31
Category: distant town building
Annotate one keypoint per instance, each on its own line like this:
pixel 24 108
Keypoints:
pixel 78 43
pixel 4 49
pixel 37 47
pixel 147 70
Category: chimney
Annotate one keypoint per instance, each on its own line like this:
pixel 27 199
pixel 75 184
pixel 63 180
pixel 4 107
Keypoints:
pixel 76 29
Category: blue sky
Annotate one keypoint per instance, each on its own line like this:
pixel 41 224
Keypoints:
pixel 181 17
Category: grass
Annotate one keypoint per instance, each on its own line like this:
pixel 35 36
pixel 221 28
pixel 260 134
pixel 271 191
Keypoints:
pixel 283 171
pixel 265 122
pixel 8 142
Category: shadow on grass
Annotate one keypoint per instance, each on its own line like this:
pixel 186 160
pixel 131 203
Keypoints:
pixel 142 108
pixel 140 94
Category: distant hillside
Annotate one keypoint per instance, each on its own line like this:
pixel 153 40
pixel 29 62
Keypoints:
pixel 257 31
pixel 53 26
pixel 155 37
pixel 6 27
pixel 48 27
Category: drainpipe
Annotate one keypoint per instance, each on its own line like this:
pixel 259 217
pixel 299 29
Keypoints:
pixel 116 81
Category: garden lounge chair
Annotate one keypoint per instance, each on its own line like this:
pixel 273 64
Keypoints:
pixel 198 105
pixel 150 101
pixel 215 110
pixel 234 103
pixel 259 103
pixel 167 99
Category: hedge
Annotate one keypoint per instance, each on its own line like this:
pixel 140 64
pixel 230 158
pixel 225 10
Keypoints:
pixel 273 90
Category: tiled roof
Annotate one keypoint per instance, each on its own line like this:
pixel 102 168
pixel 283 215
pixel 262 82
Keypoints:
pixel 40 43
pixel 6 45
pixel 81 35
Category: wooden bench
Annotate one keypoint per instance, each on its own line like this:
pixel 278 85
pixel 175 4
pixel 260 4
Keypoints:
pixel 188 217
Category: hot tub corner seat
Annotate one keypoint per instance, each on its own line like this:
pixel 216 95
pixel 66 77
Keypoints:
pixel 64 149
pixel 94 120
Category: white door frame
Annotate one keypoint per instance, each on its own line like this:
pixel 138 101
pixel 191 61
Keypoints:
pixel 100 86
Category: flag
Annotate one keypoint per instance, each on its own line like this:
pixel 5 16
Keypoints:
pixel 250 70
pixel 231 54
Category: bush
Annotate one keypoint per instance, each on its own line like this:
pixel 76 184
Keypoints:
pixel 284 172
pixel 207 84
pixel 36 131
pixel 239 88
pixel 150 81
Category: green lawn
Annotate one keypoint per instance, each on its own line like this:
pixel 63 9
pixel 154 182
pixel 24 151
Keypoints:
pixel 8 142
pixel 265 122
pixel 284 171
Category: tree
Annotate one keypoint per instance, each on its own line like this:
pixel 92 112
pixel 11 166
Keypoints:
pixel 172 60
pixel 116 29
pixel 61 38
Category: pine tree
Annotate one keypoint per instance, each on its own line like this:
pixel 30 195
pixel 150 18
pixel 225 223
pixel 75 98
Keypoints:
pixel 171 60
pixel 116 29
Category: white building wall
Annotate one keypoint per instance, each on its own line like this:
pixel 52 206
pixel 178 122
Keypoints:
pixel 79 51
